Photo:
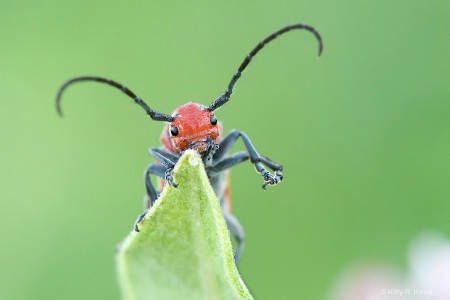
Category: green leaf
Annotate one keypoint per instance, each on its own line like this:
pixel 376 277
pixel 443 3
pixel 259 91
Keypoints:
pixel 183 250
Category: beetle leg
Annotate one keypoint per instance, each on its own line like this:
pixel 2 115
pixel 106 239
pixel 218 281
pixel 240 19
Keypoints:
pixel 256 159
pixel 171 156
pixel 151 195
pixel 138 220
pixel 228 162
pixel 237 231
pixel 271 164
pixel 166 160
pixel 269 179
pixel 164 171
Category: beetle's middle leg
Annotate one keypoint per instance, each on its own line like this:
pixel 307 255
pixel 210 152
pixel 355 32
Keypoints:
pixel 152 194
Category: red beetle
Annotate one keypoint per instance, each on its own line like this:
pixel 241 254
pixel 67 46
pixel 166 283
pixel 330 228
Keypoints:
pixel 194 126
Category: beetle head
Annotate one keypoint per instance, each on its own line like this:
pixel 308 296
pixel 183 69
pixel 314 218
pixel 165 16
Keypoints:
pixel 193 127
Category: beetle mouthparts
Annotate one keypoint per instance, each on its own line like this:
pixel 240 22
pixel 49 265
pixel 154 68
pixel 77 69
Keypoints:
pixel 200 146
pixel 203 147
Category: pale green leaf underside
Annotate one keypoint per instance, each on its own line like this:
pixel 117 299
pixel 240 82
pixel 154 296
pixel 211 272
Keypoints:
pixel 183 250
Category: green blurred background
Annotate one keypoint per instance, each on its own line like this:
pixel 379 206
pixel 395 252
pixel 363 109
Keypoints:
pixel 363 133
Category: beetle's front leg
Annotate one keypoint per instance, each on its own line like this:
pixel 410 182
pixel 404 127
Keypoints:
pixel 256 159
pixel 269 179
pixel 164 170
pixel 168 161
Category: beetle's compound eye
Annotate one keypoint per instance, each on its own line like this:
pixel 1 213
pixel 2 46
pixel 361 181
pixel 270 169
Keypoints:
pixel 174 131
pixel 213 120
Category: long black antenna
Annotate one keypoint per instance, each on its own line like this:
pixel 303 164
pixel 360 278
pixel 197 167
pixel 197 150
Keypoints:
pixel 222 99
pixel 157 116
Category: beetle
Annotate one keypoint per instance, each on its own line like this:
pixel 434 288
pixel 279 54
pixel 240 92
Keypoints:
pixel 195 126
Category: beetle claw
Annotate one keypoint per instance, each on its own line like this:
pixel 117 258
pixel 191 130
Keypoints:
pixel 169 178
pixel 138 220
pixel 270 179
